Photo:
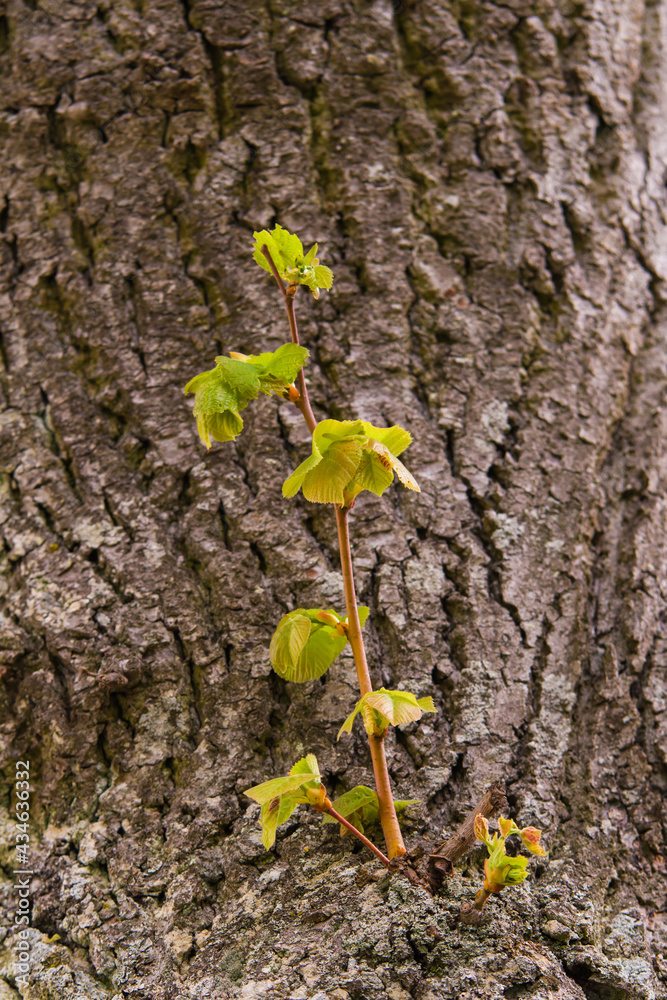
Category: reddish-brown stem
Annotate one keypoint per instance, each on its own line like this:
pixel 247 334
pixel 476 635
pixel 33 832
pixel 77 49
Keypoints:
pixel 388 817
pixel 302 403
pixel 480 899
pixel 357 833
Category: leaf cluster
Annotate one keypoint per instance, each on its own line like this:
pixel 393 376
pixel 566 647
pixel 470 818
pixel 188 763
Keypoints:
pixel 501 869
pixel 380 709
pixel 349 456
pixel 220 394
pixel 307 641
pixel 293 265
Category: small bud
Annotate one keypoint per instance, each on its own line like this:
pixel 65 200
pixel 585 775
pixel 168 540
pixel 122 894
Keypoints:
pixel 481 828
pixel 318 797
pixel 505 826
pixel 327 619
pixel 531 840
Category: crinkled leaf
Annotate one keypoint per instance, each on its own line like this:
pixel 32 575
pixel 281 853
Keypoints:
pixel 220 426
pixel 283 246
pixel 394 708
pixel 288 641
pixel 325 482
pixel 306 765
pixel 241 377
pixel 286 362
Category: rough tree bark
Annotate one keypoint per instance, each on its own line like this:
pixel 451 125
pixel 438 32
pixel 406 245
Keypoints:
pixel 487 181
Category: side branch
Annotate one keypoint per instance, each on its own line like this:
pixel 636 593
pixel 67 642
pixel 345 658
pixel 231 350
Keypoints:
pixel 441 862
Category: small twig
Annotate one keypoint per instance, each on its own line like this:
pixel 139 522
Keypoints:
pixel 302 403
pixel 442 860
pixel 357 833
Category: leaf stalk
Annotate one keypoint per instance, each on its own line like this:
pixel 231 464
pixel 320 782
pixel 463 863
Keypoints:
pixel 357 833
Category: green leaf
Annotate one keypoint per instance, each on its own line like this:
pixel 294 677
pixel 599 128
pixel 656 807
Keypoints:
pixel 283 246
pixel 394 708
pixel 274 814
pixel 347 460
pixel 276 787
pixel 304 771
pixel 286 363
pixel 323 276
pixel 294 482
pixel 306 765
pixel 302 647
pixel 363 612
pixel 220 426
pixel 372 475
pixel 288 641
pixel 328 432
pixel 352 805
pixel 279 797
pixel 361 807
pixel 323 647
pixel 325 482
pixel 395 438
pixel 311 255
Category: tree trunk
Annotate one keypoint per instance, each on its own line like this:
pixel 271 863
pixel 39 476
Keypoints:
pixel 488 184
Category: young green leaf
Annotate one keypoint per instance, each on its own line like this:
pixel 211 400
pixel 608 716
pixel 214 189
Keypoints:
pixel 287 253
pixel 382 708
pixel 349 456
pixel 274 814
pixel 228 388
pixel 279 797
pixel 360 806
pixel 304 646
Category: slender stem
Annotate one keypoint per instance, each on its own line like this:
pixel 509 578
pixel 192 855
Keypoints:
pixel 480 899
pixel 369 844
pixel 388 817
pixel 303 403
pixel 387 811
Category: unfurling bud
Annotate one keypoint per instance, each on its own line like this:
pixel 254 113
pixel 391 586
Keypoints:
pixel 318 798
pixel 481 828
pixel 505 826
pixel 531 840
